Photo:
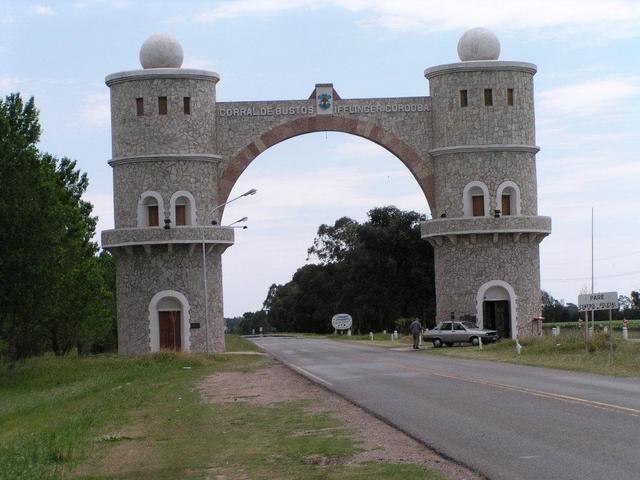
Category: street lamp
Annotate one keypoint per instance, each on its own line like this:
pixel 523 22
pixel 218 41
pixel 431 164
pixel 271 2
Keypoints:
pixel 204 262
pixel 243 219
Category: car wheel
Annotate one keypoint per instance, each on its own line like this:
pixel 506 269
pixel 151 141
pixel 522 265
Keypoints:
pixel 449 344
pixel 475 341
pixel 437 343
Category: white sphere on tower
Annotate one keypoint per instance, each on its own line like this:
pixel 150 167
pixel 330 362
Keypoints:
pixel 161 51
pixel 478 44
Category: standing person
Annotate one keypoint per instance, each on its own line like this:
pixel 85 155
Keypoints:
pixel 416 329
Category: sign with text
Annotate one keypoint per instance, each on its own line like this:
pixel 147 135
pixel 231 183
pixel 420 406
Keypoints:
pixel 342 321
pixel 598 301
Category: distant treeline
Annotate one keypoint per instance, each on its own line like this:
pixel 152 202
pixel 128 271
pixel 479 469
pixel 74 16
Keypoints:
pixel 57 291
pixel 555 311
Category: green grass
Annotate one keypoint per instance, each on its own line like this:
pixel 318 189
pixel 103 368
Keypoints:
pixel 235 343
pixel 142 418
pixel 566 352
pixel 617 325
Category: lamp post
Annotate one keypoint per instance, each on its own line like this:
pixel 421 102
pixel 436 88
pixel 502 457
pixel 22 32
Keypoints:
pixel 204 263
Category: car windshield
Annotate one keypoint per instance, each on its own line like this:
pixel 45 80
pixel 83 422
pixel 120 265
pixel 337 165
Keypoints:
pixel 469 324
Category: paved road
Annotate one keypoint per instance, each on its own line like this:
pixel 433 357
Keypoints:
pixel 506 421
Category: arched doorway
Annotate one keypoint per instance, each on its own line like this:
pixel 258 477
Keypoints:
pixel 169 322
pixel 496 308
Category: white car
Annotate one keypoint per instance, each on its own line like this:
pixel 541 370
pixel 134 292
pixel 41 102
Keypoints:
pixel 451 332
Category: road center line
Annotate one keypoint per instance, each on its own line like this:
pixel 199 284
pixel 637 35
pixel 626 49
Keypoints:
pixel 529 391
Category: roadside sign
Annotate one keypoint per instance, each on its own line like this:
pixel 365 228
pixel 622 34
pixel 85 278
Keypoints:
pixel 342 321
pixel 598 301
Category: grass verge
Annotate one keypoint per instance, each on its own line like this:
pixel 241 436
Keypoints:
pixel 115 417
pixel 566 352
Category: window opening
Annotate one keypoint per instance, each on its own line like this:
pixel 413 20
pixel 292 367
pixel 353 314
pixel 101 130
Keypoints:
pixel 140 106
pixel 152 215
pixel 478 205
pixel 162 105
pixel 506 204
pixel 187 105
pixel 510 97
pixel 463 98
pixel 181 214
pixel 488 97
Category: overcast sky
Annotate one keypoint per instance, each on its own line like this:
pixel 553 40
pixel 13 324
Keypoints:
pixel 587 111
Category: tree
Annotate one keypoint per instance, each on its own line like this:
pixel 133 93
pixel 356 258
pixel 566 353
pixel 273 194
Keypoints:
pixel 377 271
pixel 53 291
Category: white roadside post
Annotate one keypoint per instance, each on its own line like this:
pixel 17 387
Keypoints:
pixel 371 336
pixel 625 330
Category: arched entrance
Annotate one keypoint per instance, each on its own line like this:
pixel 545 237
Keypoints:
pixel 496 308
pixel 420 167
pixel 169 322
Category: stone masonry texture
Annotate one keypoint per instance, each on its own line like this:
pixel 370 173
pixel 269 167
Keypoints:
pixel 203 152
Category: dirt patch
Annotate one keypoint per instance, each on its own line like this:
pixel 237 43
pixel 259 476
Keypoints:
pixel 381 443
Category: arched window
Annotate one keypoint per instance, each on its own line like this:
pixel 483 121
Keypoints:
pixel 508 198
pixel 475 200
pixel 169 322
pixel 150 209
pixel 183 209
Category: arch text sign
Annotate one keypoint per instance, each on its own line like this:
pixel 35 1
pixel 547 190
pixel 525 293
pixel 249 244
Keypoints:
pixel 342 321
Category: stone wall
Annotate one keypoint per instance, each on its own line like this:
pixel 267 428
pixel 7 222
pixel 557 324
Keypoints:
pixel 152 133
pixel 454 171
pixel 165 175
pixel 140 275
pixel 461 270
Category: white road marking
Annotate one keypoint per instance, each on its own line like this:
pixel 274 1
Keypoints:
pixel 307 373
pixel 528 457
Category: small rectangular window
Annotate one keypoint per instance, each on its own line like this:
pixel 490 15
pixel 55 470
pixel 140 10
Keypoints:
pixel 510 97
pixel 187 105
pixel 478 205
pixel 488 97
pixel 162 105
pixel 140 106
pixel 152 212
pixel 181 214
pixel 463 98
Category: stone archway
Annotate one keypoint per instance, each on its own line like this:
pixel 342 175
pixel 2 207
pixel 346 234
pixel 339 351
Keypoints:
pixel 419 167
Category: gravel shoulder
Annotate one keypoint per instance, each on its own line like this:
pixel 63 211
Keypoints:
pixel 378 441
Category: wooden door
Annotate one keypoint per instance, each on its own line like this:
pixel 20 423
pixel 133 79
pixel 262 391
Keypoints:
pixel 170 331
pixel 503 318
pixel 181 214
pixel 152 213
pixel 478 205
pixel 506 204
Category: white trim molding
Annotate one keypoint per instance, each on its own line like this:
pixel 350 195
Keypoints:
pixel 191 211
pixel 143 220
pixel 515 202
pixel 467 202
pixel 154 320
pixel 512 302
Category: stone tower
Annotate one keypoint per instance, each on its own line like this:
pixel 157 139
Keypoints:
pixel 165 176
pixel 486 230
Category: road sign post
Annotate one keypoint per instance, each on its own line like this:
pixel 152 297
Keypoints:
pixel 590 302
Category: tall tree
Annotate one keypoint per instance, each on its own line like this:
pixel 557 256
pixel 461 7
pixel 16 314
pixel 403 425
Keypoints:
pixel 53 293
pixel 377 271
